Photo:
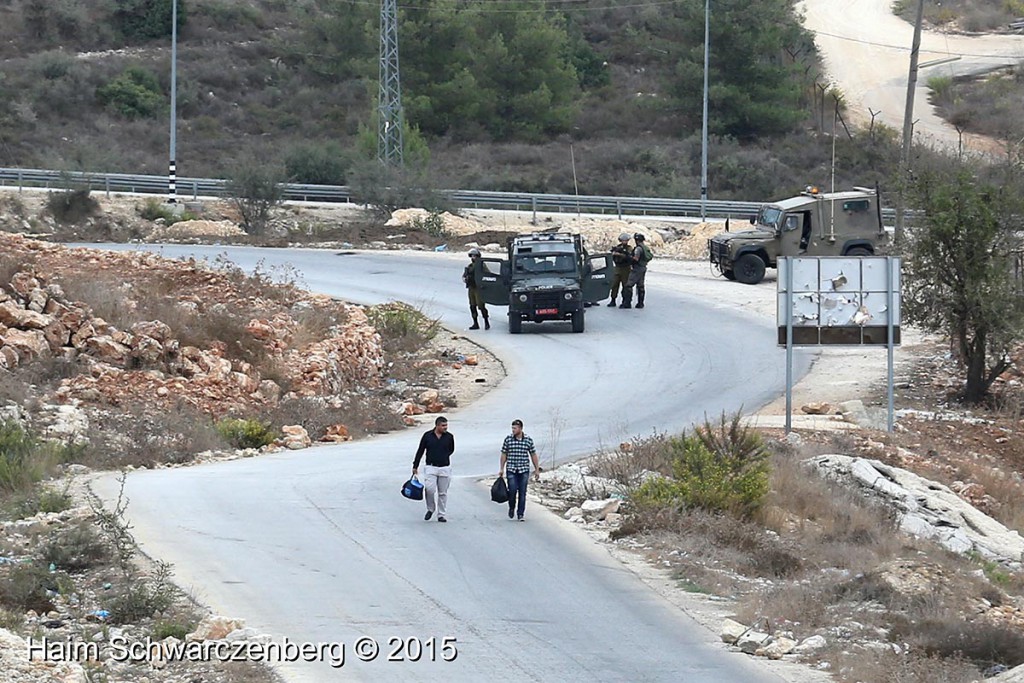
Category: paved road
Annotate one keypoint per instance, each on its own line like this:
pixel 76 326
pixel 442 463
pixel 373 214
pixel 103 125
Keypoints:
pixel 866 49
pixel 319 546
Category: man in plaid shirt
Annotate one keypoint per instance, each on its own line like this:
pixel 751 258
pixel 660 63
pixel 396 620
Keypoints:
pixel 516 453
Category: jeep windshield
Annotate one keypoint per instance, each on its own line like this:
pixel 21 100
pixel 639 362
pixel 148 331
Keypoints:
pixel 539 264
pixel 769 216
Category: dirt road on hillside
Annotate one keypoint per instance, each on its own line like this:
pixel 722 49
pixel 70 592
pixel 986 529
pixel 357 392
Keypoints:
pixel 866 50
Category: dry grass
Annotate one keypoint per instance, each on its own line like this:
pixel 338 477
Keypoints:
pixel 137 436
pixel 884 665
pixel 363 414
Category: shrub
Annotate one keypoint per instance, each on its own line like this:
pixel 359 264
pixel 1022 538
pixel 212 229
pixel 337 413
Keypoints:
pixel 135 94
pixel 24 460
pixel 171 629
pixel 718 468
pixel 141 599
pixel 432 224
pixel 245 433
pixel 53 501
pixel 154 209
pixel 402 327
pixel 76 549
pixel 27 587
pixel 72 206
pixel 320 163
pixel 255 189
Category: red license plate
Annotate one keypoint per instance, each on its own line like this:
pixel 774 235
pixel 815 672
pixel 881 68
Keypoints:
pixel 547 311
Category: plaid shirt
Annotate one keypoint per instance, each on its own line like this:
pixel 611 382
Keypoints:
pixel 517 453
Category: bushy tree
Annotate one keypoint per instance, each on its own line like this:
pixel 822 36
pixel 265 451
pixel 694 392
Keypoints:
pixel 255 189
pixel 467 71
pixel 318 163
pixel 756 81
pixel 147 19
pixel 340 41
pixel 960 264
pixel 134 94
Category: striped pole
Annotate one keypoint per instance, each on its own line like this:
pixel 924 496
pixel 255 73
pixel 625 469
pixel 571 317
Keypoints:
pixel 172 171
pixel 171 179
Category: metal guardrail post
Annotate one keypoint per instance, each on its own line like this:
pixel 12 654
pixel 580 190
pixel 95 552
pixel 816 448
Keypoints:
pixel 618 208
pixel 533 202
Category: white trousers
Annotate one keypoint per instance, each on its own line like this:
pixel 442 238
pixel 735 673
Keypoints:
pixel 436 480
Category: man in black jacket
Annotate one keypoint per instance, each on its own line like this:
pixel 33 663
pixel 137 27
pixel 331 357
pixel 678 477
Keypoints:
pixel 439 445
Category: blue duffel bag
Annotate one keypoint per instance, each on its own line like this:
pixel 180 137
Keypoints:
pixel 413 489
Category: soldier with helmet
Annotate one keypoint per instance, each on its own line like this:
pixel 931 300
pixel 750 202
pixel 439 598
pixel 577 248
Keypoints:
pixel 642 255
pixel 622 258
pixel 476 300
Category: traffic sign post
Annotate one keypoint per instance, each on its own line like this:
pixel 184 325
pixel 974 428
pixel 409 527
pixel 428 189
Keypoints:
pixel 838 300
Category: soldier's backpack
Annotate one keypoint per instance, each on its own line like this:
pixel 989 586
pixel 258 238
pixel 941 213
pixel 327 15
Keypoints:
pixel 648 255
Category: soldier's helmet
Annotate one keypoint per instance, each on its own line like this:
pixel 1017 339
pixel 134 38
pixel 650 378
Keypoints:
pixel 624 237
pixel 638 237
pixel 474 252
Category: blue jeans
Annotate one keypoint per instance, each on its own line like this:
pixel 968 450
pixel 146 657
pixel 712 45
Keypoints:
pixel 517 482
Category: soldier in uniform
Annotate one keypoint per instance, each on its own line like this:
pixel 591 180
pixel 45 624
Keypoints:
pixel 476 301
pixel 622 258
pixel 642 255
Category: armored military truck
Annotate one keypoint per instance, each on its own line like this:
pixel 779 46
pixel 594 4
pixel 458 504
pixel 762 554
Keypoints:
pixel 546 276
pixel 813 224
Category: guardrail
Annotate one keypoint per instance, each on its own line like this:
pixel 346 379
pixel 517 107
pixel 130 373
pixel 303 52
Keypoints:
pixel 476 199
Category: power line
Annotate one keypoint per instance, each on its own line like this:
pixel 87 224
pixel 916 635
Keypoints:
pixel 904 48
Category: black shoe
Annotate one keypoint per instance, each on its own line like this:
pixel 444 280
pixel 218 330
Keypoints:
pixel 441 519
pixel 625 306
pixel 426 517
pixel 611 304
pixel 511 513
pixel 487 323
pixel 640 305
pixel 474 326
pixel 521 518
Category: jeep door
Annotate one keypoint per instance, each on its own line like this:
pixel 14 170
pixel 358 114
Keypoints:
pixel 795 235
pixel 597 277
pixel 492 279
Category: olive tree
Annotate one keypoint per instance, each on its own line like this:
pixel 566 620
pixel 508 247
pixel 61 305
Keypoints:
pixel 960 270
pixel 255 189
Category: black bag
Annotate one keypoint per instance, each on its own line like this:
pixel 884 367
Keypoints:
pixel 413 489
pixel 499 491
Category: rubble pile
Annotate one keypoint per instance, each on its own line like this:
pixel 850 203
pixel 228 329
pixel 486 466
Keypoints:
pixel 146 362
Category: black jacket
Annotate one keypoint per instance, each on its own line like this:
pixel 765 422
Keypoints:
pixel 438 449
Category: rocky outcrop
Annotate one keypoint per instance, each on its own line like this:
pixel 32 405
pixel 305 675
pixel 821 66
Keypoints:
pixel 147 364
pixel 927 508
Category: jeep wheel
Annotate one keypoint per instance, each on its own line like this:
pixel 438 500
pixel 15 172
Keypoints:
pixel 749 269
pixel 515 324
pixel 577 321
pixel 859 251
pixel 729 275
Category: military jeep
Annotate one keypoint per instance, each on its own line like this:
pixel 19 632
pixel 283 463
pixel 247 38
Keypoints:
pixel 813 224
pixel 546 276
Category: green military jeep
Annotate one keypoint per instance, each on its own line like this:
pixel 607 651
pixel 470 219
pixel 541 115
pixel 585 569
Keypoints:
pixel 546 276
pixel 812 224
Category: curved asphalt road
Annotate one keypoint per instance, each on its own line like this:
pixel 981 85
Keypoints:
pixel 319 546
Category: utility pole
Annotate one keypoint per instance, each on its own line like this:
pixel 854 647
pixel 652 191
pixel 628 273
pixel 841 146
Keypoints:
pixel 389 99
pixel 908 120
pixel 704 124
pixel 172 170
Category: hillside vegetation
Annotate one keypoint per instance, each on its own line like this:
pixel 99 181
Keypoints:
pixel 498 95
